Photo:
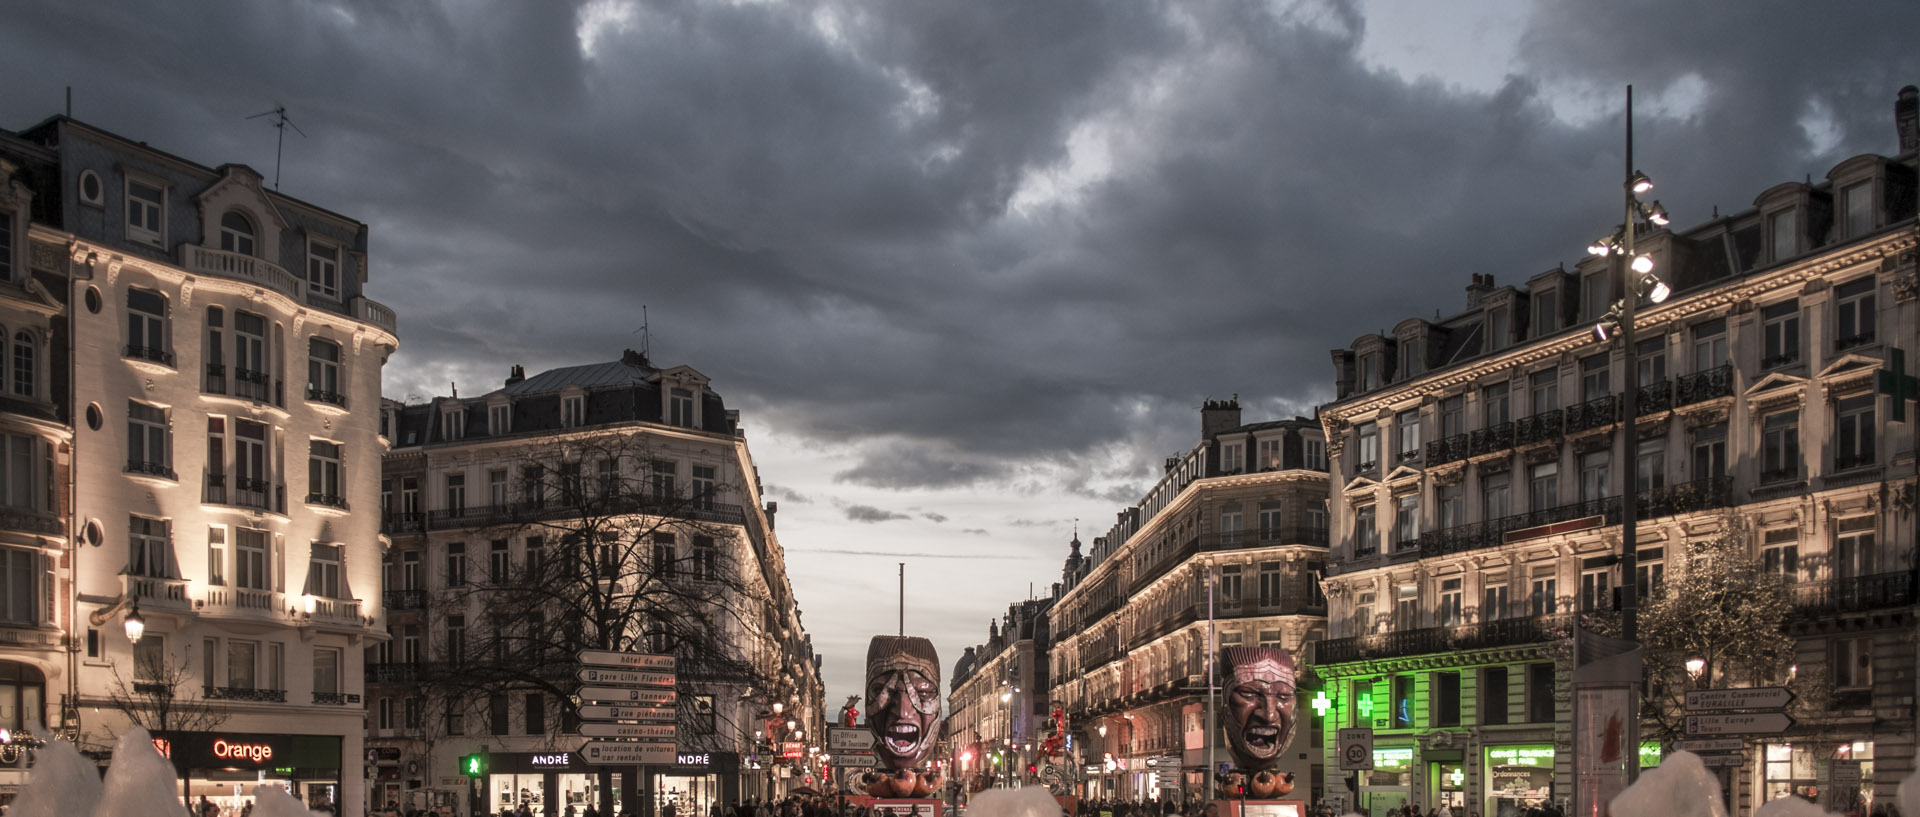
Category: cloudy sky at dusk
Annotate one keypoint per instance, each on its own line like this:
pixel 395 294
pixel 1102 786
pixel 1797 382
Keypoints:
pixel 966 267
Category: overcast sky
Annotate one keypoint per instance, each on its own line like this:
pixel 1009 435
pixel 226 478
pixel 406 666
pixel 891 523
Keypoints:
pixel 967 267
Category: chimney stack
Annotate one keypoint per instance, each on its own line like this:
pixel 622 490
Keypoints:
pixel 516 374
pixel 1906 118
pixel 1217 416
pixel 1481 287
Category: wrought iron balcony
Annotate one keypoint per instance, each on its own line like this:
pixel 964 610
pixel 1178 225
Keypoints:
pixel 403 522
pixel 415 599
pixel 246 694
pixel 1496 437
pixel 1704 385
pixel 1538 428
pixel 1446 450
pixel 150 353
pixel 152 469
pixel 395 673
pixel 252 385
pixel 1493 532
pixel 323 396
pixel 216 382
pixel 1593 413
pixel 26 520
pixel 1841 462
pixel 328 500
pixel 1783 359
pixel 1853 594
pixel 1654 398
pixel 1509 632
pixel 1790 472
pixel 1852 341
pixel 1686 497
pixel 335 698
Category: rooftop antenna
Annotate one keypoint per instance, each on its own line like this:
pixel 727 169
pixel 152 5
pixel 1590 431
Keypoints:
pixel 646 336
pixel 280 123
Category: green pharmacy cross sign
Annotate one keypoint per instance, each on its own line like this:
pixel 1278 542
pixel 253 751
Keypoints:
pixel 1366 706
pixel 1896 383
pixel 1321 703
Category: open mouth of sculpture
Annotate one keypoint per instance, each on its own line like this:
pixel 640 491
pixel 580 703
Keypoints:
pixel 1262 738
pixel 903 738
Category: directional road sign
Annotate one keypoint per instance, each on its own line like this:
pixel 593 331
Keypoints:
pixel 1356 749
pixel 1713 700
pixel 1710 745
pixel 1761 723
pixel 592 712
pixel 845 739
pixel 641 731
pixel 625 677
pixel 1723 760
pixel 625 660
pixel 606 752
pixel 623 695
pixel 855 761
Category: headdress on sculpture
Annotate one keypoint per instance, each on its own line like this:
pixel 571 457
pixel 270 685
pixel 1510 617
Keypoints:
pixel 903 712
pixel 1258 717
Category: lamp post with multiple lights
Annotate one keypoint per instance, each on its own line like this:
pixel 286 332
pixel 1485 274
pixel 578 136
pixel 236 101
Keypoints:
pixel 1637 281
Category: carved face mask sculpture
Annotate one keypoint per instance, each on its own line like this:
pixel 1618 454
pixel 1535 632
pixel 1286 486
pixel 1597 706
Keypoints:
pixel 903 699
pixel 1259 713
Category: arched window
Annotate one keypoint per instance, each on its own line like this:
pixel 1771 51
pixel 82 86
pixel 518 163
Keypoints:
pixel 24 352
pixel 236 233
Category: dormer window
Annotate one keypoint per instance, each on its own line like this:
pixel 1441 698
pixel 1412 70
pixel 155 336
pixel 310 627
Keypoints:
pixel 146 212
pixel 453 423
pixel 236 233
pixel 1546 312
pixel 499 418
pixel 1783 234
pixel 1594 290
pixel 323 268
pixel 1497 328
pixel 1370 371
pixel 1268 456
pixel 1232 457
pixel 573 411
pixel 680 408
pixel 1856 208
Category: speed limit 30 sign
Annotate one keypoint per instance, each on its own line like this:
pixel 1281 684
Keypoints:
pixel 1356 749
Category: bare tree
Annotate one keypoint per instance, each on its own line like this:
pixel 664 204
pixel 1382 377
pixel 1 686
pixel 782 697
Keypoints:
pixel 161 696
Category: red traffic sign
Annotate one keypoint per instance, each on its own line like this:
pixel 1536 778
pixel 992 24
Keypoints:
pixel 624 677
pixel 625 660
pixel 624 695
pixel 631 731
pixel 793 748
pixel 594 712
pixel 609 752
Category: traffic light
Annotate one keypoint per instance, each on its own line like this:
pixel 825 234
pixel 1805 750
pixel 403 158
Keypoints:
pixel 474 765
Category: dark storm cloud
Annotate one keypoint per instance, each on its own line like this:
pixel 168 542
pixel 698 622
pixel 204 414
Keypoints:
pixel 870 514
pixel 982 243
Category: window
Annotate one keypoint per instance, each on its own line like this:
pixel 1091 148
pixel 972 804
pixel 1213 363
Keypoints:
pixel 1363 708
pixel 1368 447
pixel 1494 597
pixel 1316 453
pixel 1363 614
pixel 1269 584
pixel 1710 345
pixel 1853 662
pixel 1709 452
pixel 1495 706
pixel 456 494
pixel 1853 313
pixel 1650 360
pixel 1268 456
pixel 386 713
pixel 1452 500
pixel 1232 458
pixel 250 559
pixel 1366 532
pixel 1494 401
pixel 1232 524
pixel 1543 595
pixel 236 233
pixel 1780 334
pixel 1316 596
pixel 663 474
pixel 410 644
pixel 665 553
pixel 573 411
pixel 536 712
pixel 214 350
pixel 147 440
pixel 1854 553
pixel 1546 312
pixel 410 497
pixel 1856 203
pixel 1269 638
pixel 1402 701
pixel 498 561
pixel 147 326
pixel 1448 613
pixel 1596 585
pixel 1406 522
pixel 1446 699
pixel 411 710
pixel 1853 445
pixel 1494 502
pixel 706 559
pixel 1649 573
pixel 456 720
pixel 146 208
pixel 216 556
pixel 150 659
pixel 1408 424
pixel 533 486
pixel 498 721
pixel 456 639
pixel 323 372
pixel 1317 514
pixel 1543 486
pixel 1595 290
pixel 323 572
pixel 6 245
pixel 150 548
pixel 25 470
pixel 1413 356
pixel 1783 228
pixel 20 577
pixel 1540 693
pixel 456 564
pixel 497 488
pixel 1497 334
pixel 91 191
pixel 323 269
pixel 1594 380
pixel 1369 371
pixel 1545 387
pixel 243 659
pixel 324 485
pixel 1780 553
pixel 570 486
pixel 499 419
pixel 1780 446
pixel 26 353
pixel 1594 469
pixel 1270 518
pixel 453 423
pixel 251 377
pixel 680 407
pixel 1230 584
pixel 1453 416
pixel 1650 465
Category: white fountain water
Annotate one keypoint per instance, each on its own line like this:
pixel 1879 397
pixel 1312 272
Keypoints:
pixel 274 801
pixel 63 784
pixel 140 783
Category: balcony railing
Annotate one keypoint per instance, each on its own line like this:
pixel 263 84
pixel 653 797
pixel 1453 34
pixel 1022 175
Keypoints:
pixel 30 521
pixel 157 589
pixel 328 500
pixel 1654 398
pixel 1779 360
pixel 152 469
pixel 1538 428
pixel 524 512
pixel 1510 632
pixel 415 599
pixel 216 382
pixel 334 698
pixel 246 694
pixel 252 492
pixel 1496 437
pixel 1853 594
pixel 254 385
pixel 241 598
pixel 403 522
pixel 339 611
pixel 240 266
pixel 1705 385
pixel 323 396
pixel 1447 449
pixel 1852 342
pixel 395 673
pixel 150 353
pixel 1593 413
pixel 1686 497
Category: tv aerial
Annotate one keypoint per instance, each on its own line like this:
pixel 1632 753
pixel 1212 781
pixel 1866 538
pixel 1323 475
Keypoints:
pixel 280 123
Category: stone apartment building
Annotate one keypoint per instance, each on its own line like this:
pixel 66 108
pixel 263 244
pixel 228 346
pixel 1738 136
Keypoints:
pixel 1243 511
pixel 1478 483
pixel 998 708
pixel 644 475
pixel 193 368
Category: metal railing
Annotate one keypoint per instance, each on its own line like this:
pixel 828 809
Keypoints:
pixel 1853 594
pixel 1686 497
pixel 1703 385
pixel 328 500
pixel 152 469
pixel 216 382
pixel 1509 632
pixel 150 353
pixel 323 396
pixel 1447 449
pixel 1654 398
pixel 1593 413
pixel 1538 428
pixel 415 599
pixel 1496 437
pixel 524 512
pixel 246 694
